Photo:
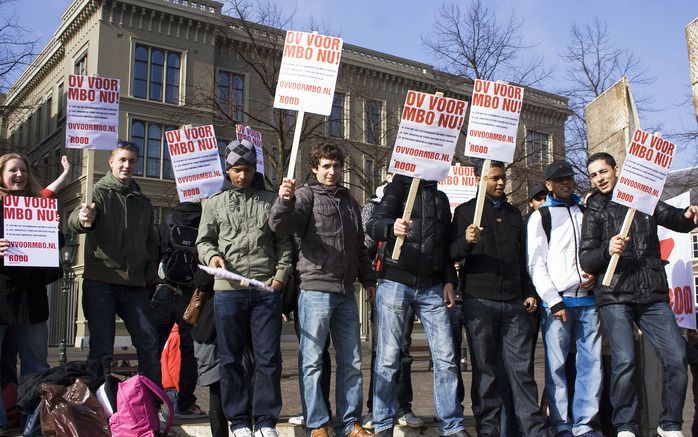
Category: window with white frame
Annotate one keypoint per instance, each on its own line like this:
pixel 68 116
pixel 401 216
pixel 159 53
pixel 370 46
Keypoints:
pixel 694 245
pixel 537 149
pixel 336 119
pixel 153 155
pixel 230 94
pixel 346 172
pixel 373 122
pixel 81 65
pixel 373 175
pixel 156 74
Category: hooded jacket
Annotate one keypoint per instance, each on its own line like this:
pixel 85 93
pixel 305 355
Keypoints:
pixel 424 260
pixel 234 226
pixel 639 277
pixel 326 223
pixel 121 247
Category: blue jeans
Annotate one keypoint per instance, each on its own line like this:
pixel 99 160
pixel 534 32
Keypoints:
pixel 253 317
pixel 168 309
pixel 102 302
pixel 658 324
pixel 321 314
pixel 393 302
pixel 584 330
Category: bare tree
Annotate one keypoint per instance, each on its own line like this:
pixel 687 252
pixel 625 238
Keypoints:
pixel 16 50
pixel 471 43
pixel 593 65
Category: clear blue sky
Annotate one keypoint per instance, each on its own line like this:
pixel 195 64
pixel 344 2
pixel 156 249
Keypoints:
pixel 653 30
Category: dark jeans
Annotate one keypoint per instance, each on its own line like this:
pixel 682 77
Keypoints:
pixel 101 303
pixel 219 424
pixel 244 316
pixel 502 331
pixel 404 374
pixel 168 309
pixel 658 324
pixel 456 317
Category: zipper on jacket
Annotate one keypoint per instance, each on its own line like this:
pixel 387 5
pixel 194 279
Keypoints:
pixel 576 250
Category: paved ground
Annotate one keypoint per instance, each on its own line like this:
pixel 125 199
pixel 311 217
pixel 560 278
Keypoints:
pixel 422 381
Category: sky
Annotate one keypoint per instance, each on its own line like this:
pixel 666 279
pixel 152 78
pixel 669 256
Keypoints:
pixel 652 30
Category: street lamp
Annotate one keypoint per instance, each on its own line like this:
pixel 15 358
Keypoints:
pixel 68 252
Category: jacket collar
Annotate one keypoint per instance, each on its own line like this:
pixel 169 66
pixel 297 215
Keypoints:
pixel 329 190
pixel 110 181
pixel 551 201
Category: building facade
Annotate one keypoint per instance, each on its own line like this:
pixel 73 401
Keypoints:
pixel 186 62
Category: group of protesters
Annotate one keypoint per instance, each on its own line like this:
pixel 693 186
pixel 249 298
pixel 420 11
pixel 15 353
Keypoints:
pixel 309 244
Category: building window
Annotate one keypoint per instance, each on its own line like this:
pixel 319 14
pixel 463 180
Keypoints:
pixel 346 172
pixel 153 155
pixel 81 66
pixel 230 88
pixel 373 175
pixel 61 101
pixel 39 128
pixel 373 121
pixel 222 144
pixel 537 149
pixel 694 241
pixel 335 122
pixel 156 74
pixel 49 114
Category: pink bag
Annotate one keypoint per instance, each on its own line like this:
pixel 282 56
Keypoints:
pixel 136 413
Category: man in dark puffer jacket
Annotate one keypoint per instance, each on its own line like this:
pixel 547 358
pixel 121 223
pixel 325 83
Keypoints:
pixel 422 278
pixel 638 293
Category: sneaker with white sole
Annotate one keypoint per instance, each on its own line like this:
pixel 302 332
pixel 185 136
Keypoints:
pixel 411 420
pixel 367 421
pixel 266 431
pixel 242 432
pixel 297 420
pixel 663 433
pixel 626 434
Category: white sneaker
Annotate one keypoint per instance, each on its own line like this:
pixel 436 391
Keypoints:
pixel 626 434
pixel 266 431
pixel 410 420
pixel 663 433
pixel 367 422
pixel 297 420
pixel 242 432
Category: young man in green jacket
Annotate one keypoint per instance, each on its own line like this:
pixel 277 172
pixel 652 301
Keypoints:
pixel 234 235
pixel 120 259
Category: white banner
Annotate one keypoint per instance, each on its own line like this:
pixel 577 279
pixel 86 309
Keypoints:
pixel 308 73
pixel 31 227
pixel 427 136
pixel 676 249
pixel 195 161
pixel 460 185
pixel 254 137
pixel 494 120
pixel 92 113
pixel 644 172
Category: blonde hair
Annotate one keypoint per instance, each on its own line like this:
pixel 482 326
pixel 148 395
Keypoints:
pixel 32 188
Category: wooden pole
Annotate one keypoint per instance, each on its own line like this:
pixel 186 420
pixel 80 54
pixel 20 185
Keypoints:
pixel 296 142
pixel 624 230
pixel 481 193
pixel 89 181
pixel 414 187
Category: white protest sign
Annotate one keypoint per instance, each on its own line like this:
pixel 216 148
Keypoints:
pixel 460 185
pixel 92 113
pixel 308 72
pixel 195 161
pixel 427 136
pixel 676 248
pixel 644 172
pixel 31 227
pixel 494 120
pixel 254 137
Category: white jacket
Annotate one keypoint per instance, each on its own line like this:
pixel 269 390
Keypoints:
pixel 554 266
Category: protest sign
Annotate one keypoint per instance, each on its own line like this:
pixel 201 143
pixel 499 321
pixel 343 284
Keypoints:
pixel 31 227
pixel 427 136
pixel 644 172
pixel 494 120
pixel 254 137
pixel 92 113
pixel 195 161
pixel 307 79
pixel 676 249
pixel 460 185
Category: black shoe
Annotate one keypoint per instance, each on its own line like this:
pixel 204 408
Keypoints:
pixel 385 433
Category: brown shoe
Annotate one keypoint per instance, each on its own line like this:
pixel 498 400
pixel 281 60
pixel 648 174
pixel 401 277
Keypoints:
pixel 358 431
pixel 319 432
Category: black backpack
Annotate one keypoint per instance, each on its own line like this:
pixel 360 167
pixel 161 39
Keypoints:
pixel 180 261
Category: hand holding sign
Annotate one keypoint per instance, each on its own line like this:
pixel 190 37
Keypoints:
pixel 692 214
pixel 87 214
pixel 4 245
pixel 287 189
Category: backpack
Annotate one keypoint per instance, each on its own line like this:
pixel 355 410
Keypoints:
pixel 136 413
pixel 180 261
pixel 546 220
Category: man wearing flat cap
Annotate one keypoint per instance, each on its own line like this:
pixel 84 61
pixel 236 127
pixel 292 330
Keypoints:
pixel 570 313
pixel 234 235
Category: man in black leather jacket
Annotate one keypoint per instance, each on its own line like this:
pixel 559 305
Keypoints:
pixel 638 293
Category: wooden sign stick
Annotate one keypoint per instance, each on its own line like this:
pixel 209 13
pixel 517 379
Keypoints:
pixel 624 230
pixel 481 193
pixel 296 142
pixel 89 182
pixel 411 196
